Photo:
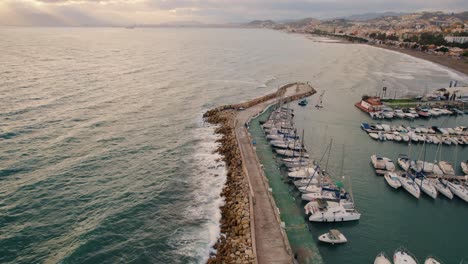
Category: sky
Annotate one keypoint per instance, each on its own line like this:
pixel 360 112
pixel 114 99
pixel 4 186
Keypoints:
pixel 128 12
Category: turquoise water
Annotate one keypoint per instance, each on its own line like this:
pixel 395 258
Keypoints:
pixel 105 158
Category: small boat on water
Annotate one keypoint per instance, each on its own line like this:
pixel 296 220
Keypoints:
pixel 409 185
pixel 333 237
pixel 382 259
pixel 459 190
pixel 374 136
pixel 403 256
pixel 442 188
pixel 392 179
pixel 378 162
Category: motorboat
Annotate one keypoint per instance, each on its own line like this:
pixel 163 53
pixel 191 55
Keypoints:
pixel 328 211
pixel 382 259
pixel 392 179
pixel 432 260
pixel 389 136
pixel 442 188
pixel 464 167
pixel 426 186
pixel 459 190
pixel 378 162
pixel 405 138
pixel 403 256
pixel 446 167
pixel 374 135
pixel 404 162
pixel 424 113
pixel 409 185
pixel 389 165
pixel 399 113
pixel 333 237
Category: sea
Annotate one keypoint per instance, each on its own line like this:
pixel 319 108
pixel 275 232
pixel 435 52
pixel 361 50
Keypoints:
pixel 105 157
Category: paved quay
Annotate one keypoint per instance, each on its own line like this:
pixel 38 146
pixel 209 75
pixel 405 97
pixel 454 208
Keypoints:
pixel 269 241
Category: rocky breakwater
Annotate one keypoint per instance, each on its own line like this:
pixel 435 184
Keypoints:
pixel 235 243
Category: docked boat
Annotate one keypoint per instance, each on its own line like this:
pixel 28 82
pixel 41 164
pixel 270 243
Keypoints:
pixel 310 189
pixel 403 256
pixel 432 260
pixel 389 165
pixel 442 188
pixel 382 259
pixel 459 190
pixel 409 185
pixel 399 113
pixel 328 211
pixel 291 153
pixel 305 182
pixel 323 195
pixel 426 186
pixel 333 237
pixel 303 173
pixel 404 162
pixel 374 136
pixel 303 102
pixel 424 113
pixel 392 179
pixel 446 167
pixel 378 162
pixel 464 167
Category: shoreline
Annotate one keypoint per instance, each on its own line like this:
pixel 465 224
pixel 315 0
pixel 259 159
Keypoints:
pixel 459 66
pixel 236 242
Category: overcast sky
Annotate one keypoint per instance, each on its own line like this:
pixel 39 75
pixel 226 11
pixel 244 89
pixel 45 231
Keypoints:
pixel 121 12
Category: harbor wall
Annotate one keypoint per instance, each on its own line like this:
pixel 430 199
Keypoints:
pixel 237 242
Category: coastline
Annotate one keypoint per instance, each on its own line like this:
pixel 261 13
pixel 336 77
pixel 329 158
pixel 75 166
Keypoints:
pixel 236 242
pixel 449 62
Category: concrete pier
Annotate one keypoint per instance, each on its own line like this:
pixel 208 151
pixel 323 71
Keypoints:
pixel 269 240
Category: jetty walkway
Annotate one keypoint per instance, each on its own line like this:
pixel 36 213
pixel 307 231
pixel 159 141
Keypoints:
pixel 269 240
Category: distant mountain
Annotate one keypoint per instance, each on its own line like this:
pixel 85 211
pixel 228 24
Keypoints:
pixel 370 16
pixel 303 22
pixel 261 23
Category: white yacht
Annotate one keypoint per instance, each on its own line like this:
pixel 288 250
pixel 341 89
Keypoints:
pixel 392 179
pixel 378 162
pixel 291 153
pixel 446 167
pixel 389 164
pixel 389 136
pixel 403 256
pixel 409 185
pixel 382 259
pixel 459 190
pixel 442 188
pixel 404 162
pixel 333 237
pixel 432 260
pixel 303 173
pixel 305 182
pixel 426 186
pixel 399 113
pixel 324 195
pixel 327 211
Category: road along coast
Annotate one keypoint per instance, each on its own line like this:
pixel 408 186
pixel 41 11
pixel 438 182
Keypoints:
pixel 250 223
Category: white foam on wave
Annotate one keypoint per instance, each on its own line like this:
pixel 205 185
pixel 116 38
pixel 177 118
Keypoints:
pixel 208 179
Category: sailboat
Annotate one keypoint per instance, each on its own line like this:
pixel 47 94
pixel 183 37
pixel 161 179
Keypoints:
pixel 409 185
pixel 426 186
pixel 403 256
pixel 320 101
pixel 459 189
pixel 442 188
pixel 382 259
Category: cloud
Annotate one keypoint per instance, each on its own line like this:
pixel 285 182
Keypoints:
pixel 86 12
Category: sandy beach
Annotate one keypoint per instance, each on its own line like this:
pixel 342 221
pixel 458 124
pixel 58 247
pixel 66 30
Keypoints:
pixel 449 62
